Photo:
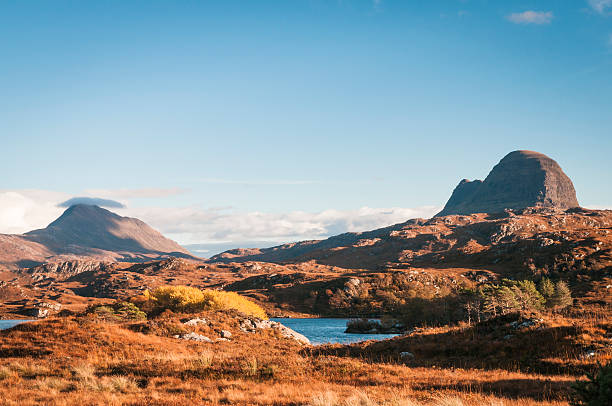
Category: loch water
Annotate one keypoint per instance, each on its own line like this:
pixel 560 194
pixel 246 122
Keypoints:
pixel 4 324
pixel 328 331
pixel 318 331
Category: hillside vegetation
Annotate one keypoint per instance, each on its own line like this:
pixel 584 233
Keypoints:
pixel 92 360
pixel 188 299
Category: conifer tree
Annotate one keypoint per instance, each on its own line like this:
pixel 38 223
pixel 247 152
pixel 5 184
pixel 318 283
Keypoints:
pixel 528 297
pixel 562 297
pixel 547 289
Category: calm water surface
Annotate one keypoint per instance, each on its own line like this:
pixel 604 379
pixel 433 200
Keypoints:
pixel 4 324
pixel 318 331
pixel 324 331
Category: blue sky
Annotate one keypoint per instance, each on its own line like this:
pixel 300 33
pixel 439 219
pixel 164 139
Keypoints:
pixel 272 110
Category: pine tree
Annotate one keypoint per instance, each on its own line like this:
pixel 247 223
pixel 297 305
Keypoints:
pixel 547 289
pixel 528 297
pixel 562 297
pixel 507 299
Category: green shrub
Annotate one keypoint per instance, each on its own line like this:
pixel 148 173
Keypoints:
pixel 119 311
pixel 596 390
pixel 547 289
pixel 129 311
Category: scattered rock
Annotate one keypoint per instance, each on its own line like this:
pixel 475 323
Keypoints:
pixel 545 242
pixel 406 355
pixel 527 323
pixel 196 337
pixel 196 322
pixel 226 334
pixel 38 312
pixel 51 306
pixel 590 353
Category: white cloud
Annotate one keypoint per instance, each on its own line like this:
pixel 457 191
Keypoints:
pixel 192 225
pixel 600 6
pixel 531 17
pixel 26 210
pixel 22 211
pixel 598 206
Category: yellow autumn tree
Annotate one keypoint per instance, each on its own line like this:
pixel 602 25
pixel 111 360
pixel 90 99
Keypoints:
pixel 189 299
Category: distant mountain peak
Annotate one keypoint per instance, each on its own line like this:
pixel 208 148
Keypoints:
pixel 86 230
pixel 92 226
pixel 521 179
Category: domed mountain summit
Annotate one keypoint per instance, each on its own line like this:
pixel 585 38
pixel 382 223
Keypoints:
pixel 521 179
pixel 88 231
pixel 94 227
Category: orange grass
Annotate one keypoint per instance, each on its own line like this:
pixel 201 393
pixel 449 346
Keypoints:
pixel 85 360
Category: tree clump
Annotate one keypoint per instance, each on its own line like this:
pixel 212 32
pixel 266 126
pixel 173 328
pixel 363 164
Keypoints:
pixel 119 311
pixel 187 299
pixel 494 300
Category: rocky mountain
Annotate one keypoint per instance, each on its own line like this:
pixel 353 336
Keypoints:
pixel 521 179
pixel 521 184
pixel 511 242
pixel 291 251
pixel 88 231
pixel 356 272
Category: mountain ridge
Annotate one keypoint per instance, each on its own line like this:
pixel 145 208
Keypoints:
pixel 522 181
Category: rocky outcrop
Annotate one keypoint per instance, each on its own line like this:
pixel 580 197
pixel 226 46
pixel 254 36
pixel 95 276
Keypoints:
pixel 65 270
pixel 252 325
pixel 521 179
pixel 41 310
pixel 365 326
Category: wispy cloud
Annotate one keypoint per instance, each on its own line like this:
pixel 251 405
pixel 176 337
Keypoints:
pixel 531 17
pixel 135 193
pixel 600 6
pixel 258 182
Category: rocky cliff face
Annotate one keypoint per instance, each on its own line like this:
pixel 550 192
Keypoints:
pixel 521 179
